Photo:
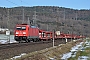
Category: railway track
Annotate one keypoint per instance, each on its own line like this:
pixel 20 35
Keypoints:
pixel 11 45
pixel 11 50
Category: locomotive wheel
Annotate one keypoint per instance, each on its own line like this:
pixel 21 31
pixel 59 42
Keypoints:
pixel 19 41
pixel 34 40
pixel 27 41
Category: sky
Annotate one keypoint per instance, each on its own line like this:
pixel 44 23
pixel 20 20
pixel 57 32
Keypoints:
pixel 74 4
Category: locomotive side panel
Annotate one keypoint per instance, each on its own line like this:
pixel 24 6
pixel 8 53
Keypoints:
pixel 33 34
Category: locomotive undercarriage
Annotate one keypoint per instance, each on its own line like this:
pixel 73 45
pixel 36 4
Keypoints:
pixel 26 39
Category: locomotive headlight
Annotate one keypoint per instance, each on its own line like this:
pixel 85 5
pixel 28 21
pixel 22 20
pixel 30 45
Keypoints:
pixel 17 33
pixel 24 32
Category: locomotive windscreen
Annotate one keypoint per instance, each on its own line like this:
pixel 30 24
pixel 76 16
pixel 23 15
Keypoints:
pixel 21 28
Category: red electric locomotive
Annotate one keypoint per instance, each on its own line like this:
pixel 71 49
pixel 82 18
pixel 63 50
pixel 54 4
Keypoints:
pixel 24 32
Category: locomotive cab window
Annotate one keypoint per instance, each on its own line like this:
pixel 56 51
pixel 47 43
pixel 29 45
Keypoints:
pixel 18 28
pixel 23 28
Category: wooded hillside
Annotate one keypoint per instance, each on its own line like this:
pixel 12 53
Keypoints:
pixel 66 20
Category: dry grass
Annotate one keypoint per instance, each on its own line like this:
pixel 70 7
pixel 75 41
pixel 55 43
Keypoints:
pixel 53 52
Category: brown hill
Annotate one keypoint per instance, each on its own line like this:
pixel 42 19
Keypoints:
pixel 48 18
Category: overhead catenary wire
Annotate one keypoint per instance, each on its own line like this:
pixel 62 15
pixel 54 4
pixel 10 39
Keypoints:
pixel 11 2
pixel 16 3
pixel 24 2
